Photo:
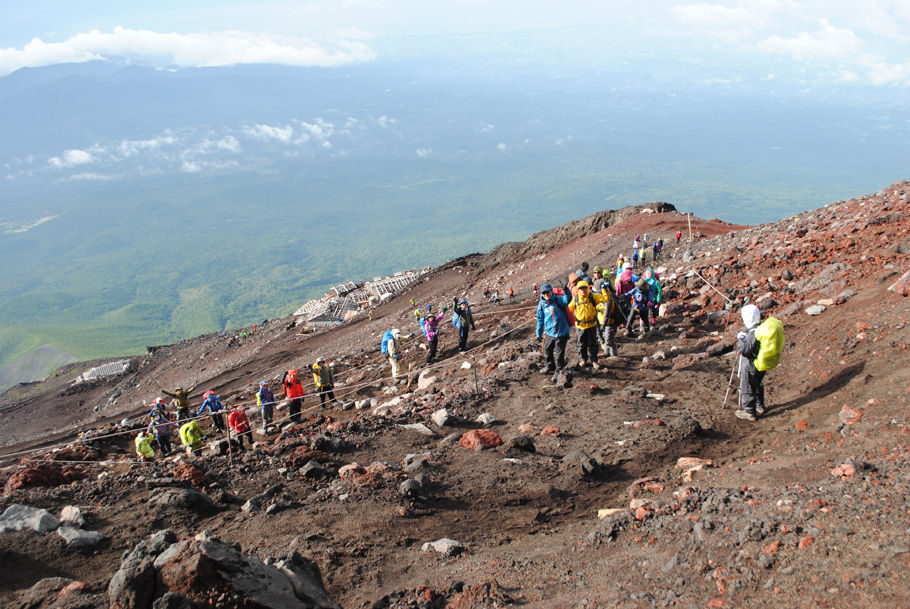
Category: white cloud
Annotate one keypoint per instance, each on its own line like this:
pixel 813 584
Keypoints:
pixel 828 42
pixel 129 148
pixel 881 72
pixel 186 50
pixel 71 158
pixel 319 129
pixel 92 177
pixel 424 152
pixel 385 121
pixel 268 132
pixel 190 167
pixel 500 146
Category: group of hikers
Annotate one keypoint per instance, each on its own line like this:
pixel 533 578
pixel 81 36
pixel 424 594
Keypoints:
pixel 161 423
pixel 596 305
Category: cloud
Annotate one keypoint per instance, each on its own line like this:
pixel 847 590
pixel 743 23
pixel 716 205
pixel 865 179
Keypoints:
pixel 268 132
pixel 128 148
pixel 92 177
pixel 881 72
pixel 713 15
pixel 500 146
pixel 828 42
pixel 424 152
pixel 71 158
pixel 385 121
pixel 199 49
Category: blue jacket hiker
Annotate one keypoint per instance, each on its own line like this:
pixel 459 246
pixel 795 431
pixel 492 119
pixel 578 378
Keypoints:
pixel 553 329
pixel 213 404
pixel 265 399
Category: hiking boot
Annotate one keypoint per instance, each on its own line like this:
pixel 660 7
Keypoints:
pixel 547 371
pixel 581 364
pixel 760 409
pixel 568 382
pixel 746 416
pixel 595 365
pixel 555 377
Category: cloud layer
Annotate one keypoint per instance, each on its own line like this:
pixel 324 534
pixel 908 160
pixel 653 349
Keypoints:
pixel 185 50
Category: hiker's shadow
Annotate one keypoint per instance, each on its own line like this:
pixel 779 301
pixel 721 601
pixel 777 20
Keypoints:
pixel 828 387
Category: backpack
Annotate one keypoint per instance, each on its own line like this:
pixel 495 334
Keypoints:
pixel 384 347
pixel 591 300
pixel 770 336
pixel 558 303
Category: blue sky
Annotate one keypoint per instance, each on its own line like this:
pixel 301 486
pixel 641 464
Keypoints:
pixel 831 42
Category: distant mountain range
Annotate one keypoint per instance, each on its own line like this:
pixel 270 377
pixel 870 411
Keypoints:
pixel 139 206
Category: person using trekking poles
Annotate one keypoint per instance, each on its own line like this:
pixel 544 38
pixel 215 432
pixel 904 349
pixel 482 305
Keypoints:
pixel 759 350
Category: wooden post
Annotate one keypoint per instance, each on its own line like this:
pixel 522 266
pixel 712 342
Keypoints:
pixel 227 431
pixel 474 366
pixel 689 219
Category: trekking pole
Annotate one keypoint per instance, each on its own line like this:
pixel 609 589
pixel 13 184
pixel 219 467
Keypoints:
pixel 730 382
pixel 227 433
pixel 474 366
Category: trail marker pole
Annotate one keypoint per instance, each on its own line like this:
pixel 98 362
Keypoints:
pixel 730 382
pixel 689 220
pixel 474 366
pixel 227 433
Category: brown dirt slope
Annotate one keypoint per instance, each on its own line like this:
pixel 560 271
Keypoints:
pixel 806 507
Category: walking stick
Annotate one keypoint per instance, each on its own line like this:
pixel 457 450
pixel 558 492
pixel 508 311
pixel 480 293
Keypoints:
pixel 730 382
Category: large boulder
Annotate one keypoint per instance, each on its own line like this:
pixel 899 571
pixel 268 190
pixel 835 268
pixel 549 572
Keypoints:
pixel 79 538
pixel 20 517
pixel 133 585
pixel 185 498
pixel 206 571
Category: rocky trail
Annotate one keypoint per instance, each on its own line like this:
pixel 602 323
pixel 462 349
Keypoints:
pixel 480 482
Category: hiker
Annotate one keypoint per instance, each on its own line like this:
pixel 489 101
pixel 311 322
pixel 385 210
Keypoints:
pixel 413 302
pixel 160 425
pixel 608 319
pixel 656 248
pixel 144 449
pixel 213 404
pixel 638 298
pixel 461 319
pixel 636 241
pixel 496 300
pixel 418 313
pixel 678 236
pixel 325 381
pixel 511 294
pixel 655 293
pixel 240 425
pixel 192 438
pixel 371 314
pixel 265 399
pixel 293 391
pixel 431 331
pixel 644 239
pixel 601 281
pixel 635 257
pixel 759 348
pixel 536 290
pixel 553 330
pixel 643 255
pixel 391 347
pixel 619 262
pixel 157 407
pixel 625 281
pixel 584 307
pixel 182 396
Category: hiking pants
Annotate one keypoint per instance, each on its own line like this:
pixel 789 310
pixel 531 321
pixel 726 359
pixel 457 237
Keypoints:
pixel 555 349
pixel 463 338
pixel 643 315
pixel 294 409
pixel 395 367
pixel 218 421
pixel 248 434
pixel 609 340
pixel 183 413
pixel 164 443
pixel 431 349
pixel 267 411
pixel 326 390
pixel 751 386
pixel 587 344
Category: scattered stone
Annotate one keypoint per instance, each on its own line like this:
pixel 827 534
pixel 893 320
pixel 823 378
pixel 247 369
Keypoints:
pixel 550 430
pixel 79 538
pixel 466 366
pixel 656 396
pixel 313 470
pixel 189 472
pixel 523 443
pixel 252 505
pixel 689 462
pixel 815 310
pixel 444 546
pixel 659 355
pixel 440 417
pixel 849 416
pixel 578 461
pixel 645 484
pixel 21 517
pixel 478 439
pixel 425 381
pixel 72 516
pixel 419 428
pixel 486 419
pixel 604 513
pixel 902 285
pixel 186 498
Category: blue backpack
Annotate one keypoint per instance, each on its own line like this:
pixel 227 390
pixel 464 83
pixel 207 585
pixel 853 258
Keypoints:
pixel 385 342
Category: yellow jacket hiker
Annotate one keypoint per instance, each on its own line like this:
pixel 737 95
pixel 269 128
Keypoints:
pixel 584 306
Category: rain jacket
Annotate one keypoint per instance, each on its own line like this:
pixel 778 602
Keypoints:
pixel 239 422
pixel 322 376
pixel 292 390
pixel 212 403
pixel 144 447
pixel 191 435
pixel 553 316
pixel 430 326
pixel 264 396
